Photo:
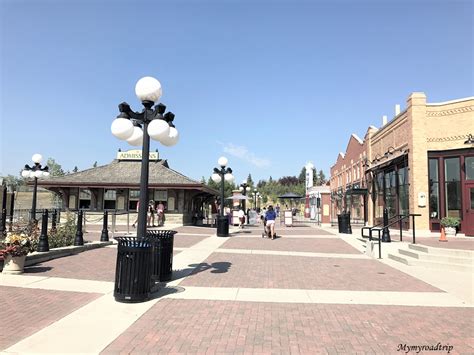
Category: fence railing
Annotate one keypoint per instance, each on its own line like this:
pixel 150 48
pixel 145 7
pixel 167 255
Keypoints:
pixel 394 220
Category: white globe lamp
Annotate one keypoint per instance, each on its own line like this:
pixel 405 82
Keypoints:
pixel 216 178
pixel 158 130
pixel 222 161
pixel 37 158
pixel 148 89
pixel 122 128
pixel 136 139
pixel 229 177
pixel 172 138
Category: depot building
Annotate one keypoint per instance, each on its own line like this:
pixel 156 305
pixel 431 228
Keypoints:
pixel 116 186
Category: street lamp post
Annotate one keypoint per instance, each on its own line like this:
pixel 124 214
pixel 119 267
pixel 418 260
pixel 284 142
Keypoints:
pixel 255 196
pixel 137 127
pixel 243 188
pixel 309 183
pixel 219 175
pixel 36 171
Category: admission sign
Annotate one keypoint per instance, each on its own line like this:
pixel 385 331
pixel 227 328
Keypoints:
pixel 135 154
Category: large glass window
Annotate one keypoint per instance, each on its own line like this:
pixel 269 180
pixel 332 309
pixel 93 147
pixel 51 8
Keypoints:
pixel 379 203
pixel 403 191
pixel 469 163
pixel 84 199
pixel 110 199
pixel 133 197
pixel 434 188
pixel 391 193
pixel 453 187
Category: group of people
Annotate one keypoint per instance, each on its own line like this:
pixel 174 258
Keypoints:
pixel 153 209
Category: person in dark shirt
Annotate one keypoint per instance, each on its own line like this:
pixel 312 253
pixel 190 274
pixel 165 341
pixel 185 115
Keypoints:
pixel 270 217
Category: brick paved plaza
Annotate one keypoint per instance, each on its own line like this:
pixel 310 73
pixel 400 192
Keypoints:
pixel 309 291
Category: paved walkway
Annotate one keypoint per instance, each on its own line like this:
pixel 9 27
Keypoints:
pixel 310 291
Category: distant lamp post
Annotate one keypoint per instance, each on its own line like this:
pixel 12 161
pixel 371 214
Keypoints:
pixel 137 127
pixel 256 195
pixel 243 188
pixel 308 183
pixel 35 172
pixel 219 175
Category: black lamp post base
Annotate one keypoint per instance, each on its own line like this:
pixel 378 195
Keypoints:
pixel 222 226
pixel 386 236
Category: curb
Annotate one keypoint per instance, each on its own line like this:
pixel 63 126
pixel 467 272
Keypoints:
pixel 39 257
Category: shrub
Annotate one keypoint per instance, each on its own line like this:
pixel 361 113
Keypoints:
pixel 452 222
pixel 65 233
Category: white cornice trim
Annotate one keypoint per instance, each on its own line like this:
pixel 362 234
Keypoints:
pixel 450 102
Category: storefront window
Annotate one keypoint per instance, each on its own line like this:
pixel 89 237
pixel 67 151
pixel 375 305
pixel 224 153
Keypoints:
pixel 453 187
pixel 84 199
pixel 434 188
pixel 109 199
pixel 379 193
pixel 469 162
pixel 403 193
pixel 391 193
pixel 133 197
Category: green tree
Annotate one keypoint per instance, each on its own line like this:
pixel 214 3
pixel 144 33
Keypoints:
pixel 75 170
pixel 94 165
pixel 321 178
pixel 13 181
pixel 55 169
pixel 302 176
pixel 249 180
pixel 228 188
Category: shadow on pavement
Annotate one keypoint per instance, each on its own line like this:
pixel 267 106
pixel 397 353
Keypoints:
pixel 36 269
pixel 217 268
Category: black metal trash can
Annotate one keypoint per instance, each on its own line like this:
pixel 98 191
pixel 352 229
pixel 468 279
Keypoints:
pixel 133 270
pixel 162 253
pixel 344 223
pixel 222 226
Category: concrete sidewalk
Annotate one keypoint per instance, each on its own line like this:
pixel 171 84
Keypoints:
pixel 309 291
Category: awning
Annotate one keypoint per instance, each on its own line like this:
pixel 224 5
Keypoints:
pixel 394 161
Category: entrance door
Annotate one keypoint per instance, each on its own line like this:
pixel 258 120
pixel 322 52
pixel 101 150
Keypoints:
pixel 468 219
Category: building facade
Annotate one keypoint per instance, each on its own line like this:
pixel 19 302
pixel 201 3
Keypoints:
pixel 347 181
pixel 116 186
pixel 420 162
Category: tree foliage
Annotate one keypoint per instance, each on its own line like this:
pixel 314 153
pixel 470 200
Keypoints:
pixel 13 181
pixel 55 169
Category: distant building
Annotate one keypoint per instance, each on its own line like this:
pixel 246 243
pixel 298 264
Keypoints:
pixel 116 186
pixel 421 161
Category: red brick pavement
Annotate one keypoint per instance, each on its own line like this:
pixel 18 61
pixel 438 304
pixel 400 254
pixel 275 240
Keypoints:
pixel 182 240
pixel 282 230
pixel 26 311
pixel 209 327
pixel 319 245
pixel 196 230
pixel 290 272
pixel 97 264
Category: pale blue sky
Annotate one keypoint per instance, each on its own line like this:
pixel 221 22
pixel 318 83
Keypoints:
pixel 269 84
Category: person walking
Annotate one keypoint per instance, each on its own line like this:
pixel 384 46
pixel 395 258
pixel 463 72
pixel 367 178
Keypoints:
pixel 270 217
pixel 136 219
pixel 151 214
pixel 160 214
pixel 241 218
